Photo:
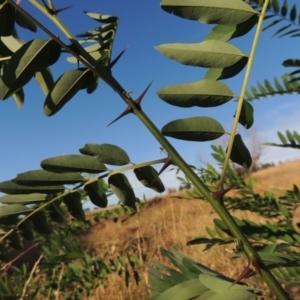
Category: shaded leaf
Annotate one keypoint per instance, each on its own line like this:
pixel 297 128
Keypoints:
pixel 225 73
pixel 27 231
pixel 15 240
pixel 26 199
pixel 7 19
pixel 198 129
pixel 13 209
pixel 29 59
pixel 24 22
pixel 73 163
pixel 56 213
pixel 219 11
pixel 106 153
pixel 40 223
pixel 148 176
pixel 240 154
pixel 42 177
pixel 123 190
pixel 10 187
pixel 204 93
pixel 65 88
pixel 73 202
pixel 247 116
pixel 207 54
pixel 96 192
pixel 227 32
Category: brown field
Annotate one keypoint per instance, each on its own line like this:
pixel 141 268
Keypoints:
pixel 165 222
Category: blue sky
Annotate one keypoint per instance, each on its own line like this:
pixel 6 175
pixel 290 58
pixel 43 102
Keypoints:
pixel 28 136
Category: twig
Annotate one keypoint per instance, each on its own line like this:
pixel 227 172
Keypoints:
pixel 7 265
pixel 59 280
pixel 30 276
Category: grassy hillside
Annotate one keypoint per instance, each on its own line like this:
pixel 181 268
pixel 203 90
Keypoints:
pixel 164 222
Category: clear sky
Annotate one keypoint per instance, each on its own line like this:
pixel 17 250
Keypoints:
pixel 28 136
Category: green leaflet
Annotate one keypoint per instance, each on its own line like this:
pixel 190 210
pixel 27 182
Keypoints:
pixel 11 43
pixel 26 199
pixel 148 176
pixel 13 209
pixel 247 115
pixel 207 54
pixel 56 213
pixel 65 88
pixel 7 19
pixel 73 202
pixel 40 223
pixel 217 11
pixel 227 32
pixel 15 240
pixel 45 80
pixel 197 129
pixel 29 59
pixel 42 177
pixel 102 18
pixel 203 93
pixel 240 154
pixel 26 229
pixel 123 190
pixel 19 97
pixel 73 163
pixel 96 193
pixel 106 153
pixel 10 187
pixel 225 73
pixel 183 291
pixel 24 22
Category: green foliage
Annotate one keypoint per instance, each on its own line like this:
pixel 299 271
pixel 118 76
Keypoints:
pixel 290 140
pixel 38 199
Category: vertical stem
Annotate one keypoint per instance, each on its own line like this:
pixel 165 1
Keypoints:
pixel 244 87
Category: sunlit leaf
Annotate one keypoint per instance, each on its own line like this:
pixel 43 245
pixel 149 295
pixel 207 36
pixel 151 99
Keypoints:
pixel 19 98
pixel 96 193
pixel 106 153
pixel 102 18
pixel 123 190
pixel 73 163
pixel 42 177
pixel 207 54
pixel 26 199
pixel 13 209
pixel 198 129
pixel 148 176
pixel 204 93
pixel 65 88
pixel 45 80
pixel 217 11
pixel 240 154
pixel 29 59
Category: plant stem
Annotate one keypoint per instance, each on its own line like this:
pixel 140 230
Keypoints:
pixel 243 91
pixel 93 65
